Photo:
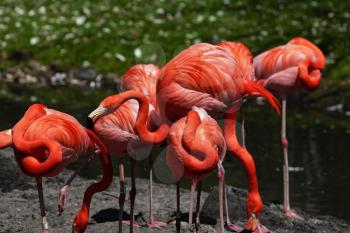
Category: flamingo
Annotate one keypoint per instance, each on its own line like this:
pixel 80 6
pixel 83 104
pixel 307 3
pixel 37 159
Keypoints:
pixel 210 77
pixel 196 147
pixel 45 141
pixel 123 123
pixel 143 78
pixel 285 70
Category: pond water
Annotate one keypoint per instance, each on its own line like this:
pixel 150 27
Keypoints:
pixel 319 148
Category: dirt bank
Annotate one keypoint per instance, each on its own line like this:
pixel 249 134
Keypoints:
pixel 19 210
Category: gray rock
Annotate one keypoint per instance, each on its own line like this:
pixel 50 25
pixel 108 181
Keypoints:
pixel 272 216
pixel 86 73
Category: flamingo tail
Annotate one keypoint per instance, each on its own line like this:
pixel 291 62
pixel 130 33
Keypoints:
pixel 252 88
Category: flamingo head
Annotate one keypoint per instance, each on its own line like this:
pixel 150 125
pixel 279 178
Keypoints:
pixel 254 207
pixel 80 222
pixel 107 106
pixel 96 114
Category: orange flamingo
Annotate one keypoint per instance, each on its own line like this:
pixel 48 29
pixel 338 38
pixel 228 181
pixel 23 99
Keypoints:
pixel 143 78
pixel 45 141
pixel 210 77
pixel 124 124
pixel 286 69
pixel 196 147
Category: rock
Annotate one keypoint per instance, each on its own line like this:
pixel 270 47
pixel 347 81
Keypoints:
pixel 272 216
pixel 87 74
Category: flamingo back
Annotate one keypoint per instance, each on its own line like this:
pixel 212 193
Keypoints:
pixel 202 75
pixel 51 125
pixel 142 78
pixel 243 56
pixel 298 50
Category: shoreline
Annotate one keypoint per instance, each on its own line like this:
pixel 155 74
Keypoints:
pixel 19 208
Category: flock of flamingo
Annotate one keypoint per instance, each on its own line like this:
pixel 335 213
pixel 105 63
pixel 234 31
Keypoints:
pixel 178 104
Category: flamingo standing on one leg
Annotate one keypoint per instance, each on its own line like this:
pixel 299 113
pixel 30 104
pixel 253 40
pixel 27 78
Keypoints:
pixel 45 141
pixel 286 69
pixel 210 77
pixel 196 147
pixel 143 78
pixel 123 123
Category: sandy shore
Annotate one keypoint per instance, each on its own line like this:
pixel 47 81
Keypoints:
pixel 19 207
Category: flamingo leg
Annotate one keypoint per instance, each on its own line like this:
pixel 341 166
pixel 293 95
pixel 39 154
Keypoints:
pixel 190 214
pixel 39 185
pixel 243 130
pixel 152 223
pixel 62 200
pixel 121 194
pixel 199 190
pixel 132 196
pixel 178 213
pixel 221 177
pixel 229 226
pixel 284 142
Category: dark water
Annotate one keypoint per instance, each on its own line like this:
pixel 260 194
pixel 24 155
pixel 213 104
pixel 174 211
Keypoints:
pixel 319 152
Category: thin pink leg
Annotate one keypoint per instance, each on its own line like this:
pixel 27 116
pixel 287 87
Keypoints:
pixel 63 194
pixel 132 197
pixel 243 130
pixel 229 226
pixel 190 213
pixel 199 190
pixel 284 142
pixel 121 194
pixel 221 176
pixel 178 213
pixel 39 185
pixel 152 223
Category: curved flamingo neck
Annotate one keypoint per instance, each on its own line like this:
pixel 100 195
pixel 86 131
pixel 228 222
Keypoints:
pixel 239 152
pixel 5 138
pixel 143 132
pixel 82 217
pixel 311 80
pixel 320 61
pixel 194 148
pixel 30 164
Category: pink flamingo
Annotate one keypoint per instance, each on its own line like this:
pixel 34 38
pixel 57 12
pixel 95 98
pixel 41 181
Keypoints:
pixel 124 124
pixel 210 77
pixel 45 141
pixel 286 69
pixel 143 78
pixel 196 147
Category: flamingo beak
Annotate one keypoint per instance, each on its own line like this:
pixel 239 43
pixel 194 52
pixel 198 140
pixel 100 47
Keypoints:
pixel 252 224
pixel 74 230
pixel 94 115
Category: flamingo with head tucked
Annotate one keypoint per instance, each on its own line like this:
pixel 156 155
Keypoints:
pixel 44 142
pixel 196 147
pixel 286 69
pixel 211 77
pixel 126 124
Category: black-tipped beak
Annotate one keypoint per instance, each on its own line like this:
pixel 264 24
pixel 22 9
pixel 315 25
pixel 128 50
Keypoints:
pixel 89 123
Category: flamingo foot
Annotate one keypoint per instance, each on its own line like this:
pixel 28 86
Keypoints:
pixel 45 231
pixel 127 222
pixel 62 199
pixel 156 224
pixel 253 225
pixel 292 214
pixel 261 229
pixel 233 227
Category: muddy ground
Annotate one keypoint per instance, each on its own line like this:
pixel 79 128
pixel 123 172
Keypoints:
pixel 19 208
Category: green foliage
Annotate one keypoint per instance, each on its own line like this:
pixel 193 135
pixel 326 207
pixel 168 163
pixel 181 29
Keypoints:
pixel 108 34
